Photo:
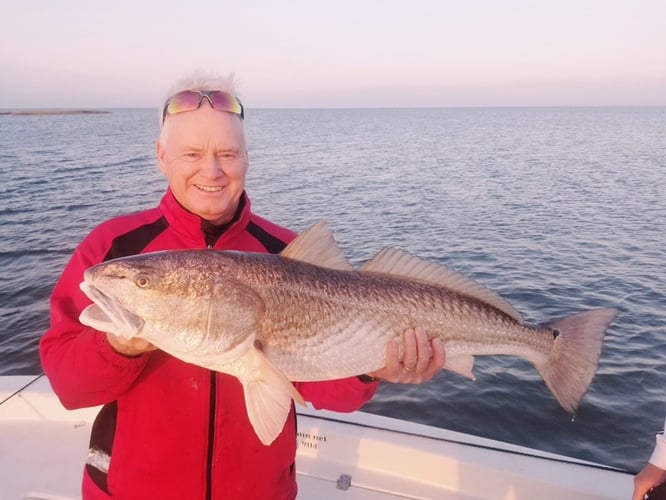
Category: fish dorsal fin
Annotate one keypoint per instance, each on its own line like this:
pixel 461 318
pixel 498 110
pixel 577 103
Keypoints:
pixel 317 245
pixel 400 263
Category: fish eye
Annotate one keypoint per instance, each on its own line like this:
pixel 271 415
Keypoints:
pixel 142 281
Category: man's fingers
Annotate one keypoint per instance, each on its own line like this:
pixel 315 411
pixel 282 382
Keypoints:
pixel 420 359
pixel 438 353
pixel 129 347
pixel 424 349
pixel 411 354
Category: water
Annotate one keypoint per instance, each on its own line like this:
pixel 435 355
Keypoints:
pixel 556 209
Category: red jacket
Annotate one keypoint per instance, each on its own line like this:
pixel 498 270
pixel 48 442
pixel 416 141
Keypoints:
pixel 173 430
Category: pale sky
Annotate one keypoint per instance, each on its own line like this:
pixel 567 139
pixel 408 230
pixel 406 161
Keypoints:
pixel 336 53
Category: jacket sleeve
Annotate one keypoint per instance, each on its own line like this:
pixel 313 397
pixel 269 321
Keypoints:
pixel 659 455
pixel 81 365
pixel 344 395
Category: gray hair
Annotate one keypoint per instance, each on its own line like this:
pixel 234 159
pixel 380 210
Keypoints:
pixel 200 80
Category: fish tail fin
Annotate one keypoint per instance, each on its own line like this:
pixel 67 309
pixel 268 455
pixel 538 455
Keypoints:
pixel 574 357
pixel 268 394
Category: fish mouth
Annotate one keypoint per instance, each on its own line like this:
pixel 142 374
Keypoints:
pixel 108 315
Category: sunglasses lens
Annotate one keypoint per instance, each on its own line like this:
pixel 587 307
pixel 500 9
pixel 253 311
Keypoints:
pixel 225 102
pixel 187 100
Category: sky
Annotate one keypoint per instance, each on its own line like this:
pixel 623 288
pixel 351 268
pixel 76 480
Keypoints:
pixel 336 53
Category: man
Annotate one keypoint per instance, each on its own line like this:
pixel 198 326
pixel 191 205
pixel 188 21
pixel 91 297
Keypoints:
pixel 654 473
pixel 169 429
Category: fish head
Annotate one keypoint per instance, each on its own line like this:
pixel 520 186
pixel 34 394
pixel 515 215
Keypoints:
pixel 179 300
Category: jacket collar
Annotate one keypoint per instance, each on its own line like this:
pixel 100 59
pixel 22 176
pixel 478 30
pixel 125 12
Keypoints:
pixel 189 225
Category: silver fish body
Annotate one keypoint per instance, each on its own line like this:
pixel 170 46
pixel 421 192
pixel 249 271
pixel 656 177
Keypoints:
pixel 316 318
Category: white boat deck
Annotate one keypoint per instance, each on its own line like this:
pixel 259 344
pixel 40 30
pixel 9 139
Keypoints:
pixel 355 456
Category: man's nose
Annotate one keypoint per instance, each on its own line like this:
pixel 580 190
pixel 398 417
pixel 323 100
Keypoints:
pixel 212 165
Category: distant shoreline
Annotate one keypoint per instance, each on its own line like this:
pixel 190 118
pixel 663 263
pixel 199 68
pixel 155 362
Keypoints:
pixel 38 112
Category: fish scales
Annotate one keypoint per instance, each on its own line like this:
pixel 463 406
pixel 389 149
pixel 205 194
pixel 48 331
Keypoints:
pixel 345 310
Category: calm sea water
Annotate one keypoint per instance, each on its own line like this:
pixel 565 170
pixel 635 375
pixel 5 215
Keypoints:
pixel 556 209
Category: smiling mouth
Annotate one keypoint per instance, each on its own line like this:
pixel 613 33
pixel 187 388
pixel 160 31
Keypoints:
pixel 209 189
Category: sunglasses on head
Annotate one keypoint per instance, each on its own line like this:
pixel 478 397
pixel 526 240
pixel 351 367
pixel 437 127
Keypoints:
pixel 189 100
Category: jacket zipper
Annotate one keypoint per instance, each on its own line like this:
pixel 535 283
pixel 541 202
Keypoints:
pixel 211 436
pixel 211 420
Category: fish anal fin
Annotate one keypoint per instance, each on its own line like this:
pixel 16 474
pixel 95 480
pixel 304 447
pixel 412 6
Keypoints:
pixel 268 393
pixel 400 263
pixel 317 245
pixel 462 365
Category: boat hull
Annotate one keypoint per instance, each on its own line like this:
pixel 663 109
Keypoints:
pixel 357 456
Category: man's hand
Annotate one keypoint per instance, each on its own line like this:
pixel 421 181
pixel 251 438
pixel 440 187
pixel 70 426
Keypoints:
pixel 648 477
pixel 420 361
pixel 129 347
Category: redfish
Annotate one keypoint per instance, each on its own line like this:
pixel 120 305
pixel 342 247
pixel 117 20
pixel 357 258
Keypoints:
pixel 306 315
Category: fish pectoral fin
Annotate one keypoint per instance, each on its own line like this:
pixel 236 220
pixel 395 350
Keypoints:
pixel 268 394
pixel 462 365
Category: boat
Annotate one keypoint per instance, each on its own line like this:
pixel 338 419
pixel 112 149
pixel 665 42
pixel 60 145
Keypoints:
pixel 356 456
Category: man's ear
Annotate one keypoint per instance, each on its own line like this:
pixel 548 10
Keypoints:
pixel 159 148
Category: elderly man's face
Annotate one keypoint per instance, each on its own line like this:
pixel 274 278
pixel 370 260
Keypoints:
pixel 203 155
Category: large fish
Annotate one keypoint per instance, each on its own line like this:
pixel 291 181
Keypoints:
pixel 316 318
